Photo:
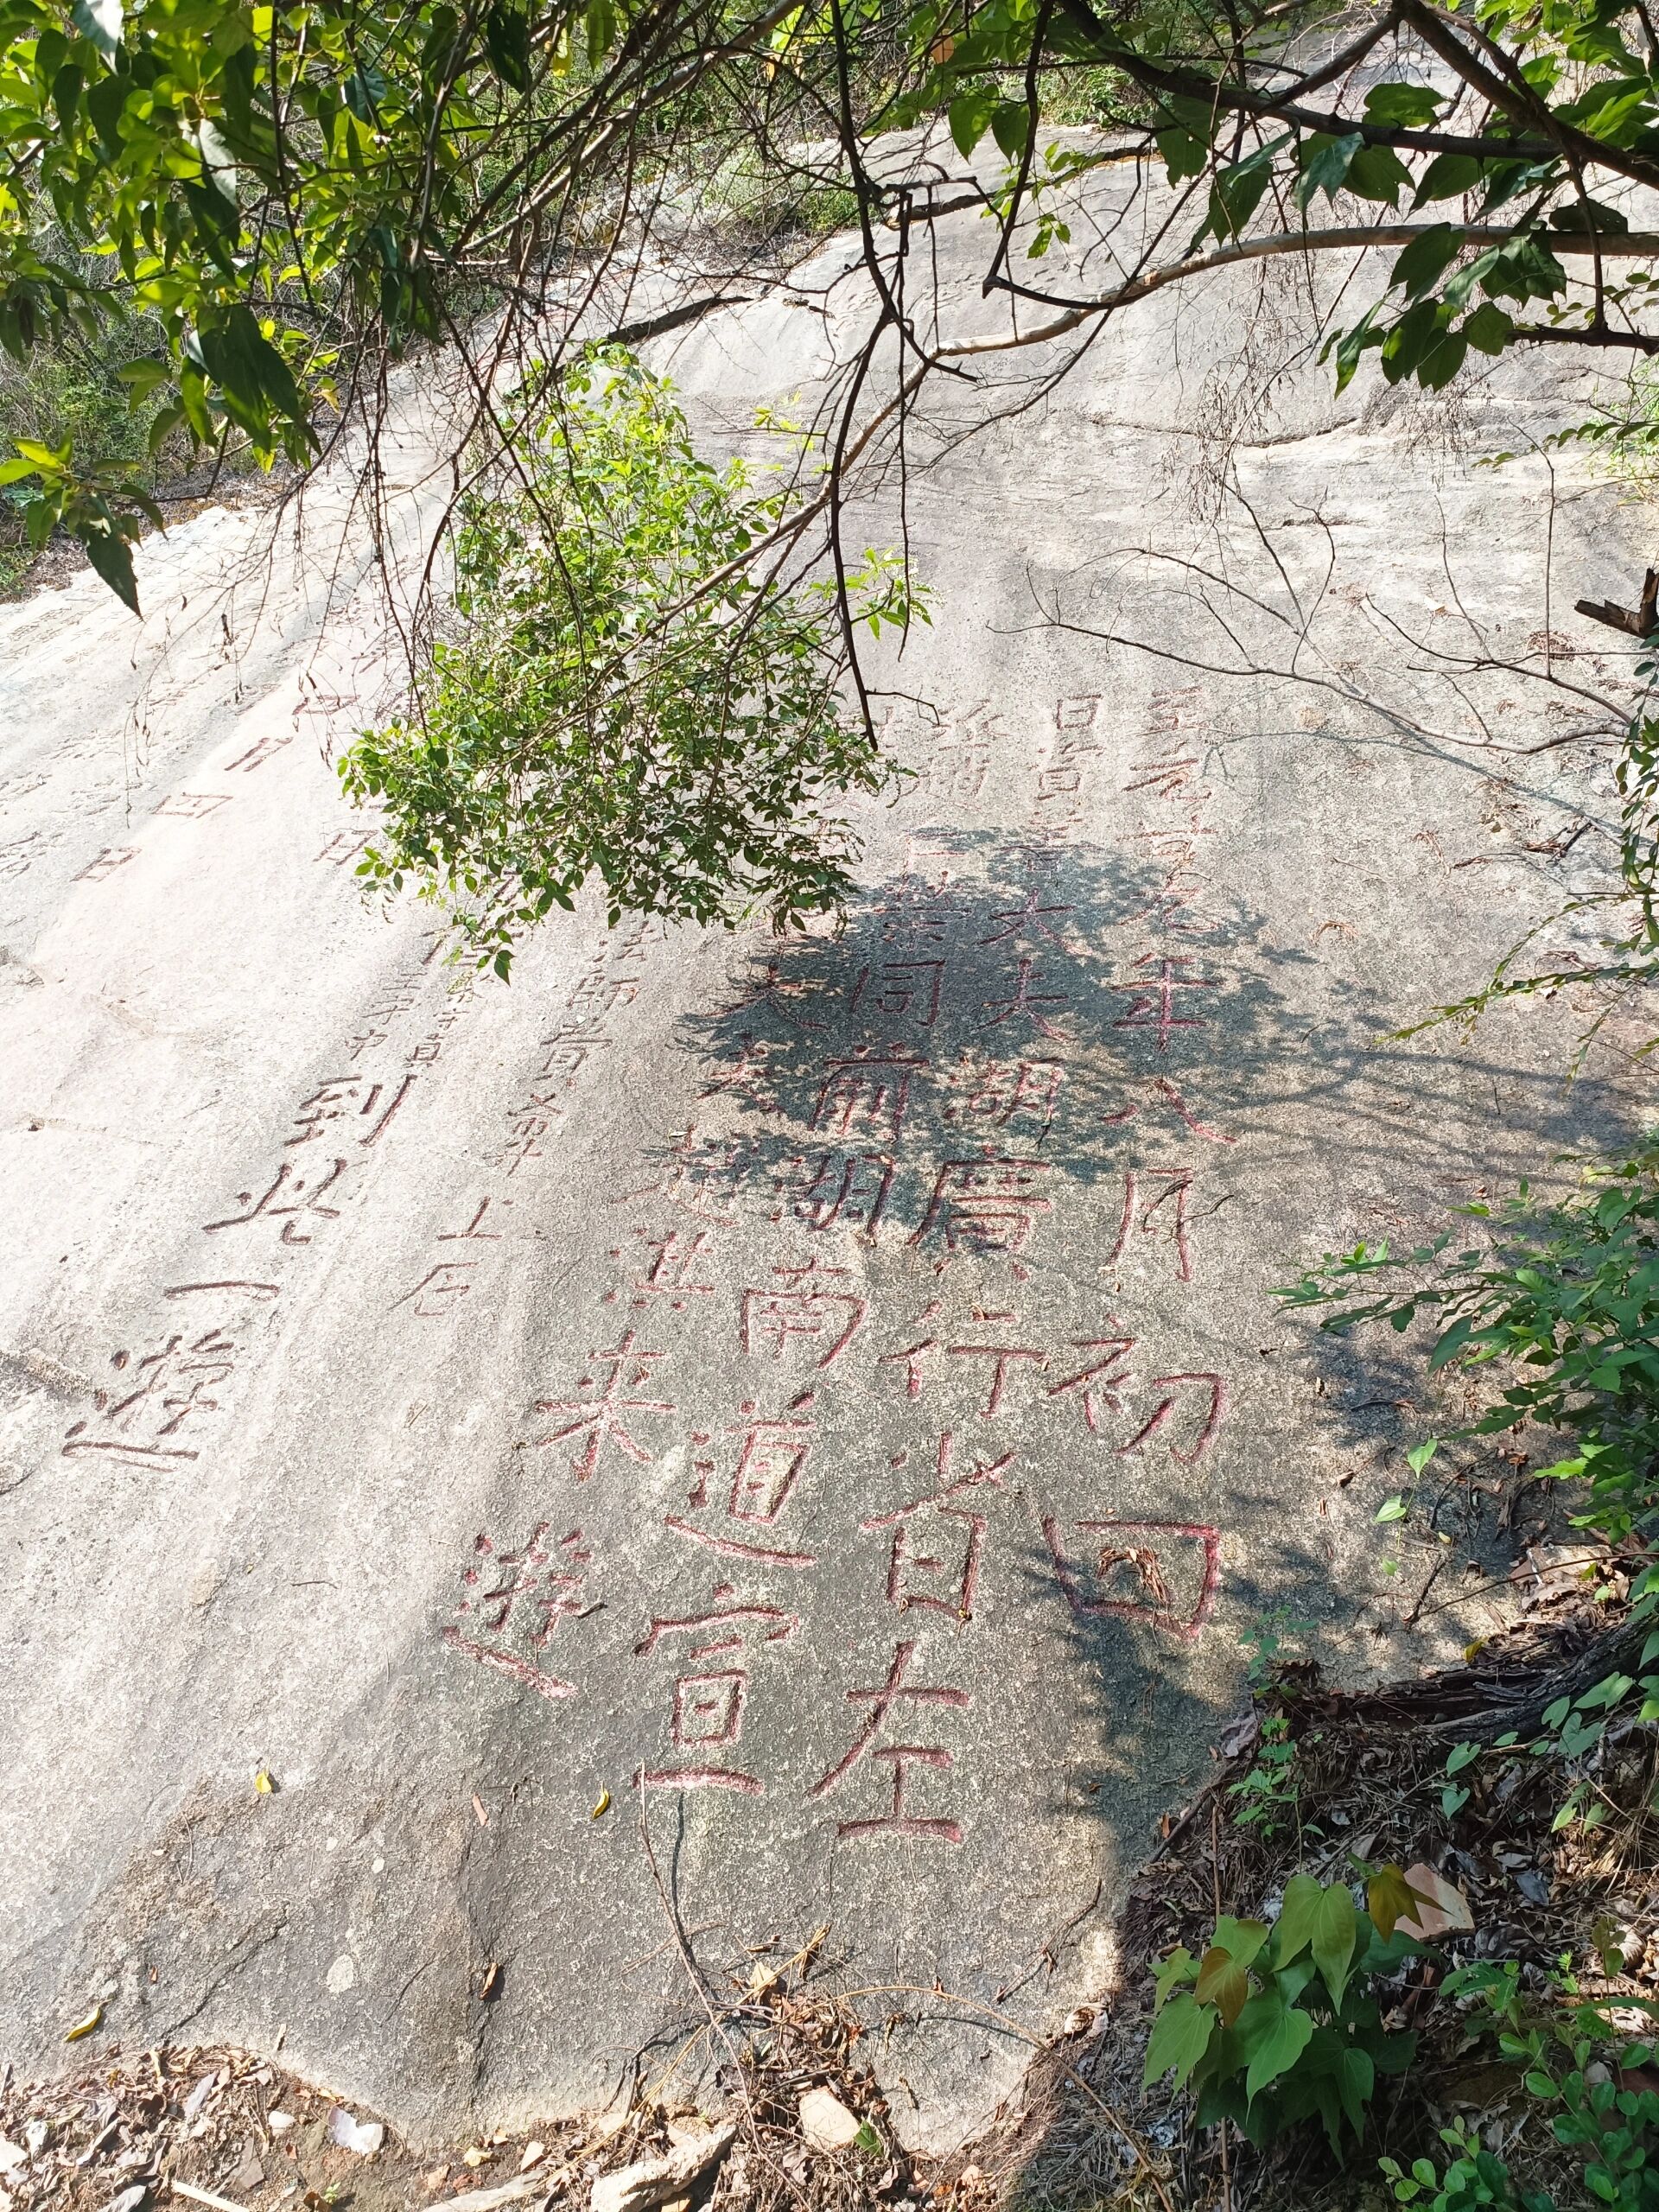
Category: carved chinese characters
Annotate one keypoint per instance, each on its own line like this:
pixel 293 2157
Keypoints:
pixel 887 1339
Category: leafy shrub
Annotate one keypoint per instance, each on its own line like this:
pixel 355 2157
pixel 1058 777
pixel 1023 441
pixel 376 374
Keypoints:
pixel 1570 2056
pixel 1565 1299
pixel 1276 2025
pixel 629 693
pixel 1476 2179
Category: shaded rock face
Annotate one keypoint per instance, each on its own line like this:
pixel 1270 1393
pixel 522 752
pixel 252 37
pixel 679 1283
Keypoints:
pixel 822 1396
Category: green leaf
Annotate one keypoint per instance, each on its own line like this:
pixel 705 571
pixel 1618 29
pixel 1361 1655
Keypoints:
pixel 1180 2035
pixel 1449 177
pixel 1394 1508
pixel 1221 1982
pixel 106 101
pixel 1237 192
pixel 66 92
pixel 1419 1454
pixel 1606 1693
pixel 601 30
pixel 969 116
pixel 1488 329
pixel 507 37
pixel 1418 269
pixel 1460 1756
pixel 1583 216
pixel 1184 154
pixel 112 558
pixel 1180 1965
pixel 1335 1929
pixel 243 359
pixel 1303 1897
pixel 144 376
pixel 1325 165
pixel 100 20
pixel 1349 345
pixel 1410 106
pixel 1010 122
pixel 1442 359
pixel 1356 2083
pixel 1241 1939
pixel 1377 173
pixel 1272 2035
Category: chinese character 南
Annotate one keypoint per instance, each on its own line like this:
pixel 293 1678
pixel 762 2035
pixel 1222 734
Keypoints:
pixel 809 1305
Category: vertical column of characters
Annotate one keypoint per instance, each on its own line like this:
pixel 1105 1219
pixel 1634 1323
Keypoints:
pixel 170 1398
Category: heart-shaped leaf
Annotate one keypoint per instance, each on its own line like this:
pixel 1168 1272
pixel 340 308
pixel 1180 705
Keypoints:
pixel 1221 1983
pixel 1335 1931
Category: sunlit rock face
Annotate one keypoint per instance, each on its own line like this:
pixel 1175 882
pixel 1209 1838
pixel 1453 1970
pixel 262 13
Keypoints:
pixel 823 1395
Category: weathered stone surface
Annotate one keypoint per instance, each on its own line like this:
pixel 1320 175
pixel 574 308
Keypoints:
pixel 834 1384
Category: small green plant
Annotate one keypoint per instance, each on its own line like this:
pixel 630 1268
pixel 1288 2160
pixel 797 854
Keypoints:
pixel 1571 2057
pixel 1564 1299
pixel 1269 1797
pixel 1275 2025
pixel 1477 2178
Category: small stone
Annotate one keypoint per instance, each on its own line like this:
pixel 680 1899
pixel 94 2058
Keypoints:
pixel 279 2122
pixel 365 2136
pixel 342 1975
pixel 249 2174
pixel 826 2124
pixel 651 2182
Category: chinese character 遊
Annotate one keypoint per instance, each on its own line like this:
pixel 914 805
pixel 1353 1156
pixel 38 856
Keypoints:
pixel 531 1591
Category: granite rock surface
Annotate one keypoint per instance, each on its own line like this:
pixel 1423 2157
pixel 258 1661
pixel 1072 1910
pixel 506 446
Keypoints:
pixel 824 1395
